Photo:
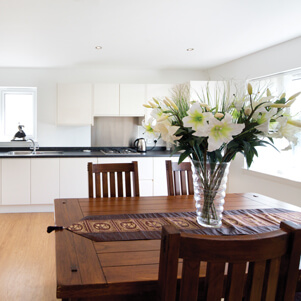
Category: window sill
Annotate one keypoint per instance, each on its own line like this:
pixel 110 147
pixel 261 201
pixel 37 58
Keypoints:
pixel 272 177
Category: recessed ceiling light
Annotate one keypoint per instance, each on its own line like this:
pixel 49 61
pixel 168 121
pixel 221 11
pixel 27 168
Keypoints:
pixel 190 49
pixel 98 47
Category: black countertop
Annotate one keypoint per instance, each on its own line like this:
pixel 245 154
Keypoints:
pixel 81 152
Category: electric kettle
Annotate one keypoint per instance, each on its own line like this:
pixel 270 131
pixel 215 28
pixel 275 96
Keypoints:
pixel 140 145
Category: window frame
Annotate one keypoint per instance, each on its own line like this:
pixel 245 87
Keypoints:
pixel 18 90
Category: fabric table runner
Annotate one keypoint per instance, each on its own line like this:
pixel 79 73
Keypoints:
pixel 148 225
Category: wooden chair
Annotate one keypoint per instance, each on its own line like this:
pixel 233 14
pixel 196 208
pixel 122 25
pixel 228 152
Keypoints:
pixel 113 180
pixel 179 178
pixel 259 267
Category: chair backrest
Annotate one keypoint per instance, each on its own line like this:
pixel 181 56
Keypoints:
pixel 179 178
pixel 113 180
pixel 254 267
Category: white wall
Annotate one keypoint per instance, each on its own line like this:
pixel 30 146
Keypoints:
pixel 284 57
pixel 49 134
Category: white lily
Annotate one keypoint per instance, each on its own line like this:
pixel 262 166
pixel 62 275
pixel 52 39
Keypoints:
pixel 197 120
pixel 167 131
pixel 222 131
pixel 158 114
pixel 149 129
pixel 264 120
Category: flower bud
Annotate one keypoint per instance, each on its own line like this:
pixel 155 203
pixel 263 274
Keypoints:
pixel 147 106
pixel 268 92
pixel 172 104
pixel 282 95
pixel 219 115
pixel 156 101
pixel 295 123
pixel 250 89
pixel 248 111
pixel 294 96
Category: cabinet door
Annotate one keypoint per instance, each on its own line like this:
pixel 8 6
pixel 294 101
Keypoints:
pixel 74 104
pixel 132 98
pixel 159 91
pixel 74 177
pixel 106 100
pixel 15 181
pixel 44 180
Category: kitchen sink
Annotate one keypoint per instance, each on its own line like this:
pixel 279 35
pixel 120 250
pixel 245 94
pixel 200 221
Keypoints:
pixel 30 153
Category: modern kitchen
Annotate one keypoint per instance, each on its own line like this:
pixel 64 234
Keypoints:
pixel 93 69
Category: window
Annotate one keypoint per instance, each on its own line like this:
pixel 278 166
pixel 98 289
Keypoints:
pixel 18 107
pixel 285 163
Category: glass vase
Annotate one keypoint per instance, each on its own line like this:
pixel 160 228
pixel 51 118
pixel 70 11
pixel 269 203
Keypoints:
pixel 210 182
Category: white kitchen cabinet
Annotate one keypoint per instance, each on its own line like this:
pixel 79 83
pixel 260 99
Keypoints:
pixel 44 180
pixel 74 177
pixel 132 98
pixel 74 104
pixel 158 91
pixel 106 100
pixel 0 181
pixel 15 181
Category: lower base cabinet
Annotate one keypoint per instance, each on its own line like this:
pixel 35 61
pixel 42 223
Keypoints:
pixel 38 181
pixel 15 181
pixel 44 180
pixel 73 177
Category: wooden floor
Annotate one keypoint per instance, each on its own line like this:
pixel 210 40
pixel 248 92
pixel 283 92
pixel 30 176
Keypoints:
pixel 27 257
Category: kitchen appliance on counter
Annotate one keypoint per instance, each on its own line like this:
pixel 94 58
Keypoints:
pixel 119 151
pixel 140 145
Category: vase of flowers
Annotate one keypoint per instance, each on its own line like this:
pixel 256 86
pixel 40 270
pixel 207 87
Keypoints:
pixel 213 129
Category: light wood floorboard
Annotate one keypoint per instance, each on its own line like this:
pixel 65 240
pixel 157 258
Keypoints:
pixel 27 257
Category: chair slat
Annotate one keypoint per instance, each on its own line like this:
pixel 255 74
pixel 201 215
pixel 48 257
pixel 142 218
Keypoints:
pixel 190 182
pixel 177 183
pixel 272 271
pixel 120 184
pixel 112 184
pixel 127 183
pixel 258 272
pixel 190 283
pixel 235 284
pixel 105 190
pixel 183 182
pixel 98 184
pixel 215 280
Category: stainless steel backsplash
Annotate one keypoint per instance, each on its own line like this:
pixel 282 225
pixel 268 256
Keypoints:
pixel 114 131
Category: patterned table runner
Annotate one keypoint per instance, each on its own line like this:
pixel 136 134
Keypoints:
pixel 148 225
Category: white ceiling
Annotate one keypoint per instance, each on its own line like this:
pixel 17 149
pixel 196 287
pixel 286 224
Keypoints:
pixel 141 33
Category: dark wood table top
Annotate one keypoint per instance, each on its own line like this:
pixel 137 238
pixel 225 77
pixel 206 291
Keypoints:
pixel 122 270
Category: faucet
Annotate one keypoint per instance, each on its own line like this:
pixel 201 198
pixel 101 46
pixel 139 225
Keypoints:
pixel 34 146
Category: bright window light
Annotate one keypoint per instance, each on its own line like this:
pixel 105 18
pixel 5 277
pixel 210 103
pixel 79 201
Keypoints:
pixel 18 108
pixel 282 163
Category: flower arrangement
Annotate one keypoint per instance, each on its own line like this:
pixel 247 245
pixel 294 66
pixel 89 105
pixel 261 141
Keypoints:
pixel 213 129
pixel 217 128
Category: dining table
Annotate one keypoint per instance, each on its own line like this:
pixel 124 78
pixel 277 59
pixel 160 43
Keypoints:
pixel 121 268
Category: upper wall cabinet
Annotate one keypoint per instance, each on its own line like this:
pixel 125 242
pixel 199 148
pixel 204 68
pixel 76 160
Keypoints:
pixel 106 100
pixel 119 99
pixel 159 91
pixel 74 104
pixel 132 98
